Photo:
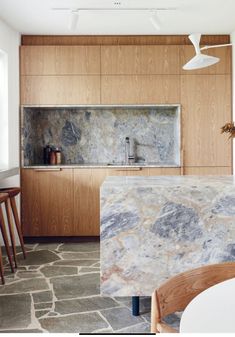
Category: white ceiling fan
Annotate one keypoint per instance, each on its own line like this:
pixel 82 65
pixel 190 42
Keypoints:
pixel 153 13
pixel 201 60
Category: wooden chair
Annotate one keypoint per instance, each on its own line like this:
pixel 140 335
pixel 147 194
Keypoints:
pixel 12 193
pixel 5 199
pixel 176 293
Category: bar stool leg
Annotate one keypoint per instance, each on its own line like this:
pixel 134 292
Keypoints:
pixel 1 268
pixel 5 239
pixel 18 225
pixel 11 231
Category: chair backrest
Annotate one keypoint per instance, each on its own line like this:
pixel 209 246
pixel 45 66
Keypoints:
pixel 176 293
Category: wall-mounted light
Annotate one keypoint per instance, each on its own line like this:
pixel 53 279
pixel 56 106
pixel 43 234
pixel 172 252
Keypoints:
pixel 201 60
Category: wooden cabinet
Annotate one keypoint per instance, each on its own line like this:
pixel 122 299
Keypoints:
pixel 47 202
pixel 87 184
pixel 77 89
pixel 206 106
pixel 67 202
pixel 60 60
pixel 140 60
pixel 140 89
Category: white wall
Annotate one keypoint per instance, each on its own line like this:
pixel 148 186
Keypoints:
pixel 233 88
pixel 9 42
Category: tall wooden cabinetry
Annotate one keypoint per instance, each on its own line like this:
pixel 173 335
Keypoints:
pixel 66 202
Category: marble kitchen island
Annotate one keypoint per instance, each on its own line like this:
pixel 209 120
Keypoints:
pixel 153 228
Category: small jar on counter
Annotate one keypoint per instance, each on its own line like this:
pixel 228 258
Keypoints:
pixel 57 156
pixel 53 157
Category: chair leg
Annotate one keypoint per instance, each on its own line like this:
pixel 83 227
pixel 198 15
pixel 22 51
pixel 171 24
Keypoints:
pixel 154 313
pixel 18 225
pixel 1 268
pixel 11 231
pixel 5 239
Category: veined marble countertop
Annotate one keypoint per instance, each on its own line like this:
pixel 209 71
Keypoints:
pixel 96 165
pixel 153 228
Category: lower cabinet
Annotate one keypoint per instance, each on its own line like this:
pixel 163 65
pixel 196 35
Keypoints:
pixel 66 202
pixel 47 202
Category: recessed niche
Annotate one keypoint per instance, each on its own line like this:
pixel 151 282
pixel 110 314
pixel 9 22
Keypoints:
pixel 96 134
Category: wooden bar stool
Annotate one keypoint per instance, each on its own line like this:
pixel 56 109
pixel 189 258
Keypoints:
pixel 12 193
pixel 4 198
pixel 1 267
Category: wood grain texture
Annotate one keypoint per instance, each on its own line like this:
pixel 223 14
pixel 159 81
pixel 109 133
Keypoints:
pixel 176 293
pixel 119 39
pixel 137 60
pixel 222 170
pixel 82 89
pixel 60 60
pixel 206 106
pixel 87 184
pixel 222 67
pixel 140 89
pixel 47 203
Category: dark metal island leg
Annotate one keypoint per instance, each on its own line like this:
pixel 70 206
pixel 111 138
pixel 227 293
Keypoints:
pixel 135 305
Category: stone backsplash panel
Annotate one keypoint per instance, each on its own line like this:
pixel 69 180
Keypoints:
pixel 97 134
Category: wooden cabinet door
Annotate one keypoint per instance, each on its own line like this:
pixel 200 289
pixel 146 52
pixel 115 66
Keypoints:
pixel 206 107
pixel 87 184
pixel 60 60
pixel 47 202
pixel 140 60
pixel 76 89
pixel 140 89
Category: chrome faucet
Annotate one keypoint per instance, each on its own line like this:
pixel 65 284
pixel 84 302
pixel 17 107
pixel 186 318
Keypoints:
pixel 129 158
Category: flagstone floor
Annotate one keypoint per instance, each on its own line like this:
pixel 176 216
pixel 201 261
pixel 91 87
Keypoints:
pixel 56 289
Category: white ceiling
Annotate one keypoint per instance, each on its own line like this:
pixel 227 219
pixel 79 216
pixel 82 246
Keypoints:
pixel 36 17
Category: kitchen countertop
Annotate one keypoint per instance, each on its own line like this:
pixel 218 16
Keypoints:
pixel 9 172
pixel 95 165
pixel 153 228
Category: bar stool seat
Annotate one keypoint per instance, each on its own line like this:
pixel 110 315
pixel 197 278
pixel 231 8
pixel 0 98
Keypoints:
pixel 12 192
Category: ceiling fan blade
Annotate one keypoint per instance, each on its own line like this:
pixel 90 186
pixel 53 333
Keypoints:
pixel 195 39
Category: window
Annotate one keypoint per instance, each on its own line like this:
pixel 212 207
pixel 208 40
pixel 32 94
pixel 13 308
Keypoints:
pixel 4 147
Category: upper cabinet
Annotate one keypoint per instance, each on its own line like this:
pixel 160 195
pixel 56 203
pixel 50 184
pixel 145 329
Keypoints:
pixel 60 60
pixel 140 89
pixel 140 60
pixel 222 67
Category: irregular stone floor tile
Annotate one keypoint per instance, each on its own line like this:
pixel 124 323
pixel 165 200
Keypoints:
pixel 76 286
pixel 84 304
pixel 41 313
pixel 37 258
pixel 74 323
pixel 18 250
pixel 80 247
pixel 28 274
pixel 120 318
pixel 76 255
pixel 52 271
pixel 89 270
pixel 44 296
pixel 46 305
pixel 24 286
pixel 139 328
pixel 15 311
pixel 75 263
pixel 47 246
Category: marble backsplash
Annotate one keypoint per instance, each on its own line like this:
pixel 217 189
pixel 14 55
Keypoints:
pixel 97 134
